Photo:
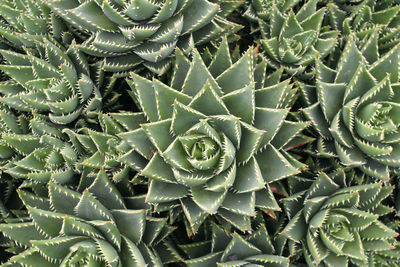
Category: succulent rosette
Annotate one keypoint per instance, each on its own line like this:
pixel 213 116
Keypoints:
pixel 212 139
pixel 364 18
pixel 337 222
pixel 57 82
pixel 98 227
pixel 295 40
pixel 127 33
pixel 26 22
pixel 355 109
pixel 36 149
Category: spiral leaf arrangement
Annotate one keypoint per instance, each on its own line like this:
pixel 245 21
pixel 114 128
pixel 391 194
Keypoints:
pixel 199 133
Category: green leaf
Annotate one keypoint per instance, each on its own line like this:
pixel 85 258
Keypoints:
pixel 236 100
pixel 281 166
pixel 239 75
pixel 130 217
pixel 22 233
pixel 89 208
pixel 110 198
pixel 239 247
pixel 160 192
pixel 248 177
pixel 208 201
pixel 184 118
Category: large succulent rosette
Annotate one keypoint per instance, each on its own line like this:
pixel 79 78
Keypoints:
pixel 338 222
pixel 355 109
pixel 212 140
pixel 98 227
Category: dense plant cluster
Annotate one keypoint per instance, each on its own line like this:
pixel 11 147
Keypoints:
pixel 199 133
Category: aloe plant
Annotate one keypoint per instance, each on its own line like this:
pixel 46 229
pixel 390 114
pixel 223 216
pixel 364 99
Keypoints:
pixel 355 108
pixel 35 149
pixel 69 228
pixel 55 81
pixel 365 18
pixel 295 40
pixel 23 23
pixel 203 138
pixel 337 220
pixel 128 33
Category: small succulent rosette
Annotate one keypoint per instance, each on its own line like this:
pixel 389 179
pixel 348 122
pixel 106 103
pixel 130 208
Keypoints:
pixel 294 40
pixel 335 221
pixel 355 109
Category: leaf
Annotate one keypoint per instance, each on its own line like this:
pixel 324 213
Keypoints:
pixel 160 192
pixel 106 192
pixel 62 199
pixel 31 257
pixel 184 117
pixel 296 229
pixel 239 75
pixel 48 222
pixel 194 19
pixel 243 203
pixel 281 166
pixel 208 102
pixel 197 76
pixel 22 233
pixel 130 217
pixel 208 201
pixel 89 208
pixel 248 177
pixel 57 248
pixel 239 247
pixel 145 94
pixel 236 100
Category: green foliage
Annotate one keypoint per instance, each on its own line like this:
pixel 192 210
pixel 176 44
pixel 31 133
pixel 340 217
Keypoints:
pixel 293 40
pixel 337 220
pixel 54 81
pixel 127 33
pixel 199 133
pixel 356 113
pixel 364 18
pixel 233 249
pixel 24 23
pixel 198 146
pixel 71 228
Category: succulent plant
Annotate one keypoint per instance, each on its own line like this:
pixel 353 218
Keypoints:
pixel 97 227
pixel 35 149
pixel 337 220
pixel 127 33
pixel 294 41
pixel 261 10
pixel 355 109
pixel 366 17
pixel 98 151
pixel 23 23
pixel 204 139
pixel 233 249
pixel 55 81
